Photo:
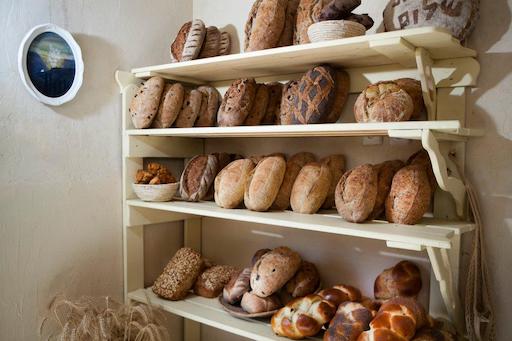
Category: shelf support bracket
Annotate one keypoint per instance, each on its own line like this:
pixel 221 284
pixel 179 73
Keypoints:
pixel 446 181
pixel 396 49
pixel 428 84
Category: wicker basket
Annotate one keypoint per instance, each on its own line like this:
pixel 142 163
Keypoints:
pixel 334 29
pixel 163 192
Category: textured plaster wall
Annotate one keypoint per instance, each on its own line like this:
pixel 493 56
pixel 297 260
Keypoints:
pixel 60 167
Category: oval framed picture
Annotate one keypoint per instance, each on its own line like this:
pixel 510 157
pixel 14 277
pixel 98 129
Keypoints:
pixel 50 64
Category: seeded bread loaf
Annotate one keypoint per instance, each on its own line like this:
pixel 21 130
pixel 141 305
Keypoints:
pixel 198 177
pixel 211 282
pixel 170 106
pixel 145 103
pixel 336 164
pixel 230 183
pixel 310 188
pixel 237 103
pixel 190 110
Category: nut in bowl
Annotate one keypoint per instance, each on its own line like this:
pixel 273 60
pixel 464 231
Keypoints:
pixel 335 29
pixel 163 192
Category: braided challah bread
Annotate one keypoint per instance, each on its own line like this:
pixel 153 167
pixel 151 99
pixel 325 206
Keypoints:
pixel 341 293
pixel 350 321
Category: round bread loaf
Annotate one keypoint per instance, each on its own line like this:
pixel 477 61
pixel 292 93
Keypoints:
pixel 198 177
pixel 383 102
pixel 290 92
pixel 293 167
pixel 254 304
pixel 209 106
pixel 273 270
pixel 385 173
pixel 190 109
pixel 403 279
pixel 409 197
pixel 351 319
pixel 144 105
pixel 230 183
pixel 189 41
pixel 265 24
pixel 170 106
pixel 305 281
pixel 356 193
pixel 274 103
pixel 211 282
pixel 264 183
pixel 342 89
pixel 259 107
pixel 237 103
pixel 310 188
pixel 237 286
pixel 211 44
pixel 336 164
pixel 413 88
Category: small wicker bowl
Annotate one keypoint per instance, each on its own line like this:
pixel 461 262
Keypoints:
pixel 335 29
pixel 163 192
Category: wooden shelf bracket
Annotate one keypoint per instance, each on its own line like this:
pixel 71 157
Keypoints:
pixel 428 84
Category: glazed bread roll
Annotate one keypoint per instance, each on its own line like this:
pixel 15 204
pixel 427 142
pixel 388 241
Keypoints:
pixel 273 270
pixel 237 286
pixel 264 183
pixel 211 282
pixel 385 173
pixel 305 281
pixel 145 103
pixel 403 279
pixel 310 188
pixel 336 164
pixel 237 103
pixel 350 321
pixel 179 275
pixel 230 183
pixel 293 167
pixel 356 193
pixel 253 304
pixel 198 177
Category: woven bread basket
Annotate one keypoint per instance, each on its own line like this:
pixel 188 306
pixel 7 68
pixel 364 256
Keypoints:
pixel 334 29
pixel 164 192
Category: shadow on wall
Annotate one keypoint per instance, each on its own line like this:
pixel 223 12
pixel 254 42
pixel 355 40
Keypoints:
pixel 99 86
pixel 235 43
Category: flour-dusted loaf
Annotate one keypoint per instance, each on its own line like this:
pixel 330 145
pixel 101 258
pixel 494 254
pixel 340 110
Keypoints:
pixel 286 38
pixel 401 280
pixel 316 95
pixel 305 281
pixel 409 197
pixel 189 41
pixel 356 193
pixel 342 90
pixel 225 44
pixel 311 188
pixel 265 24
pixel 190 109
pixel 383 102
pixel 336 164
pixel 198 177
pixel 179 275
pixel 413 88
pixel 211 44
pixel 293 166
pixel 290 92
pixel 308 13
pixel 230 183
pixel 238 285
pixel 237 103
pixel 274 103
pixel 209 106
pixel 211 282
pixel 273 270
pixel 351 319
pixel 259 107
pixel 338 9
pixel 385 173
pixel 144 105
pixel 264 183
pixel 170 105
pixel 254 304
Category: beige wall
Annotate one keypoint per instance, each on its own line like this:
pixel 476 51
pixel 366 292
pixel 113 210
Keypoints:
pixel 60 167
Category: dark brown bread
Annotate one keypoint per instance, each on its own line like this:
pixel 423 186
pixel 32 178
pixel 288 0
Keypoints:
pixel 211 282
pixel 211 44
pixel 250 22
pixel 413 88
pixel 209 106
pixel 350 321
pixel 259 107
pixel 286 38
pixel 336 164
pixel 238 285
pixel 170 105
pixel 338 9
pixel 403 279
pixel 267 25
pixel 290 92
pixel 305 281
pixel 342 90
pixel 310 188
pixel 225 44
pixel 189 41
pixel 237 103
pixel 190 110
pixel 145 103
pixel 363 19
pixel 274 103
pixel 253 304
pixel 308 13
pixel 385 173
pixel 179 42
pixel 198 177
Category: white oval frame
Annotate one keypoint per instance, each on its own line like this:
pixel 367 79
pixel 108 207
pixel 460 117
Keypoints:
pixel 22 64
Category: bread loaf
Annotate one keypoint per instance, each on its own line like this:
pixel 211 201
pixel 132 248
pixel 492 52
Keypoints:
pixel 350 320
pixel 385 173
pixel 342 90
pixel 286 38
pixel 310 188
pixel 409 197
pixel 340 293
pixel 403 279
pixel 305 281
pixel 264 183
pixel 290 92
pixel 338 9
pixel 225 44
pixel 413 88
pixel 237 286
pixel 383 102
pixel 170 105
pixel 190 110
pixel 230 183
pixel 211 282
pixel 145 103
pixel 273 270
pixel 211 44
pixel 237 103
pixel 422 159
pixel 254 304
pixel 258 254
pixel 189 41
pixel 308 13
pixel 274 103
pixel 356 193
pixel 179 275
pixel 265 24
pixel 293 167
pixel 336 164
pixel 209 107
pixel 198 177
pixel 259 107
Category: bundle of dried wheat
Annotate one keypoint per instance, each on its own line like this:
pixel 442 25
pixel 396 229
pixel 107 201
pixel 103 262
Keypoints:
pixel 96 319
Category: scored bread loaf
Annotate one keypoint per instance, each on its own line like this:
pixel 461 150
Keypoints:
pixel 237 103
pixel 211 282
pixel 198 177
pixel 259 108
pixel 179 275
pixel 265 24
pixel 190 110
pixel 211 43
pixel 356 193
pixel 189 41
pixel 273 270
pixel 290 92
pixel 225 44
pixel 385 173
pixel 238 285
pixel 170 106
pixel 209 106
pixel 264 183
pixel 305 281
pixel 403 279
pixel 253 304
pixel 350 320
pixel 144 105
pixel 230 183
pixel 310 188
pixel 308 13
pixel 336 164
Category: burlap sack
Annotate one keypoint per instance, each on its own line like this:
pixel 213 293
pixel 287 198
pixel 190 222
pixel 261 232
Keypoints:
pixel 457 16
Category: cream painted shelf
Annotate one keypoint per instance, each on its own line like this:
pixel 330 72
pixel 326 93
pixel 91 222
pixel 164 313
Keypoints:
pixel 209 312
pixel 428 233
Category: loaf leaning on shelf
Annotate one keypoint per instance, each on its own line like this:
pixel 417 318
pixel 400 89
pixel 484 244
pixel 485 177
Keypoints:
pixel 237 103
pixel 401 280
pixel 212 281
pixel 311 188
pixel 230 183
pixel 144 105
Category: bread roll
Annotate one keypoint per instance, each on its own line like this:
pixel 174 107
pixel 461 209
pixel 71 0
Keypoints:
pixel 237 286
pixel 170 106
pixel 413 88
pixel 273 270
pixel 254 304
pixel 230 183
pixel 310 188
pixel 265 24
pixel 356 193
pixel 264 183
pixel 385 173
pixel 259 107
pixel 403 279
pixel 198 177
pixel 211 282
pixel 145 103
pixel 305 281
pixel 336 164
pixel 409 197
pixel 340 293
pixel 237 103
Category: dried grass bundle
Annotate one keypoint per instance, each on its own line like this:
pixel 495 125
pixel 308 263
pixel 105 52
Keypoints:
pixel 99 319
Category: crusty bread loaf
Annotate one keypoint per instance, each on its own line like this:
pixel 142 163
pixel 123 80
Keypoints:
pixel 170 106
pixel 403 279
pixel 264 183
pixel 266 24
pixel 190 110
pixel 342 90
pixel 258 254
pixel 421 158
pixel 179 275
pixel 145 103
pixel 253 304
pixel 274 103
pixel 413 88
pixel 238 285
pixel 237 103
pixel 230 183
pixel 225 44
pixel 209 106
pixel 310 188
pixel 259 107
pixel 308 13
pixel 409 197
pixel 293 167
pixel 189 41
pixel 336 164
pixel 290 92
pixel 211 282
pixel 198 177
pixel 363 19
pixel 385 173
pixel 350 321
pixel 356 193
pixel 305 281
pixel 211 43
pixel 273 270
pixel 286 38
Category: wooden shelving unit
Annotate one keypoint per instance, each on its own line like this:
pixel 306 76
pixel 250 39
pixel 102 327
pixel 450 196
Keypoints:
pixel 446 71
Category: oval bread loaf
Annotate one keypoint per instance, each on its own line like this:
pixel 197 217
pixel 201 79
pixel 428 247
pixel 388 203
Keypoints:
pixel 286 38
pixel 305 281
pixel 310 188
pixel 190 109
pixel 342 90
pixel 230 183
pixel 264 183
pixel 421 158
pixel 308 13
pixel 336 164
pixel 211 43
pixel 225 44
pixel 258 254
pixel 274 103
pixel 145 103
pixel 237 103
pixel 266 24
pixel 170 106
pixel 413 88
pixel 385 173
pixel 209 106
pixel 211 282
pixel 198 177
pixel 189 41
pixel 259 107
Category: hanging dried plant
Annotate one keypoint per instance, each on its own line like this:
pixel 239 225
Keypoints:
pixel 99 319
